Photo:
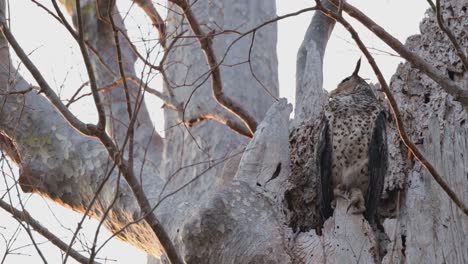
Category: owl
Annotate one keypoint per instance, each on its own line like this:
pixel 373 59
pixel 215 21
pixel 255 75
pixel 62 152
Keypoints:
pixel 352 149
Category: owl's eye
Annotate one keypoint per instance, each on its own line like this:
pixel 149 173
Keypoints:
pixel 345 80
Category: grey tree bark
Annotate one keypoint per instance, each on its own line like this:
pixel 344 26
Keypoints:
pixel 221 197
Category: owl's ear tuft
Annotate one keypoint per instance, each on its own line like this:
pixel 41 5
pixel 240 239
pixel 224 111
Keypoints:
pixel 356 70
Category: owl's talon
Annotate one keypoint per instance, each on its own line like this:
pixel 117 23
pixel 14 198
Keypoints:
pixel 356 200
pixel 338 192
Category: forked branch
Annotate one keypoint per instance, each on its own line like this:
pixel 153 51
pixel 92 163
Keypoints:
pixel 149 9
pixel 206 45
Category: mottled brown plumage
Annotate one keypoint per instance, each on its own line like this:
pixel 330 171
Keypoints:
pixel 352 150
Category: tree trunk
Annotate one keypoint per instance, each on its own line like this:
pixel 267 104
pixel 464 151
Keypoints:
pixel 428 227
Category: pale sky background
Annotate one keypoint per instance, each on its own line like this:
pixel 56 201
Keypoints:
pixel 57 55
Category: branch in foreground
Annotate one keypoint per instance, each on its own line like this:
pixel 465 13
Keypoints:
pixel 24 216
pixel 130 137
pixel 169 101
pixel 89 68
pixel 452 88
pixel 44 86
pixel 205 41
pixel 153 14
pixel 396 112
pixel 235 127
pixel 112 149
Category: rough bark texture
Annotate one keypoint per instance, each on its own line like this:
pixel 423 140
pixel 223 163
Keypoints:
pixel 429 228
pixel 422 223
pixel 223 198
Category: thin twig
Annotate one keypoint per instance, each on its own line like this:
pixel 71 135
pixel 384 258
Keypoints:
pixel 136 52
pixel 168 100
pixel 89 68
pixel 107 142
pixel 25 225
pixel 44 86
pixel 75 97
pixel 61 19
pixel 24 216
pixel 88 210
pixel 131 130
pixel 396 112
pixel 252 42
pixel 153 14
pixel 25 91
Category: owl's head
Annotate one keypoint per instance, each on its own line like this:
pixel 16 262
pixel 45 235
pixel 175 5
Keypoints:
pixel 349 84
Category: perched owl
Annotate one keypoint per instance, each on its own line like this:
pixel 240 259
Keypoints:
pixel 352 150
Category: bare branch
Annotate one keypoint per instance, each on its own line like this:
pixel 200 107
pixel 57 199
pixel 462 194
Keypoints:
pixel 137 53
pixel 205 41
pixel 448 85
pixel 89 68
pixel 130 131
pixel 168 100
pixel 17 92
pixel 108 143
pixel 396 112
pixel 44 86
pixel 452 38
pixel 234 126
pixel 153 14
pixel 75 96
pixel 24 216
pixel 61 19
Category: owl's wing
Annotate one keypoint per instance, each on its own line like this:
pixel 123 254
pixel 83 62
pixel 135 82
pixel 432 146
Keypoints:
pixel 377 168
pixel 324 167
